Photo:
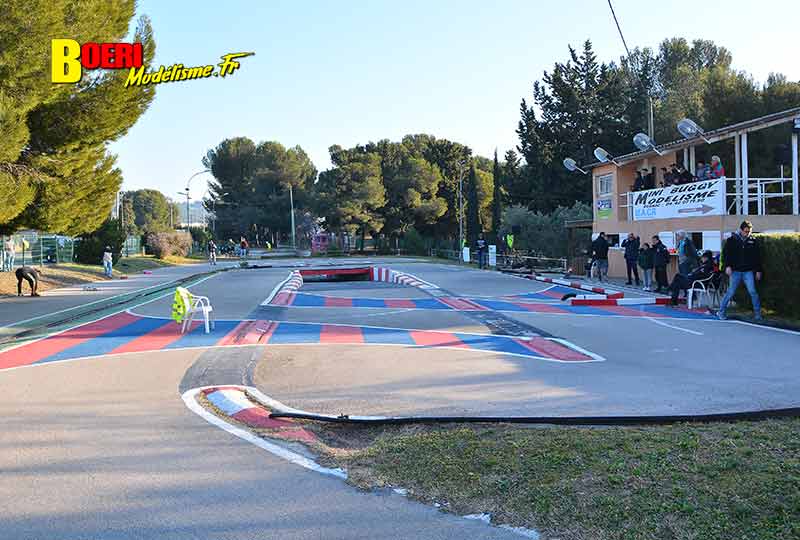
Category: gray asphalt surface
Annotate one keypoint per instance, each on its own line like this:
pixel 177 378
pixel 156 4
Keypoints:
pixel 106 449
pixel 657 366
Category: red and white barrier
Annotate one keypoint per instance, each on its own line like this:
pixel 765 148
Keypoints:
pixel 593 300
pixel 382 273
pixel 284 292
pixel 578 285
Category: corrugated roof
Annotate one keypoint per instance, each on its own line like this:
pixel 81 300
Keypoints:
pixel 719 134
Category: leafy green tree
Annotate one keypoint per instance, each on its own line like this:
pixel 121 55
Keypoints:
pixel 541 233
pixel 350 196
pixel 249 194
pixel 412 196
pixel 149 210
pixel 55 135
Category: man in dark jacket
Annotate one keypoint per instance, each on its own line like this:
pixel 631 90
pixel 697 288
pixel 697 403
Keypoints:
pixel 660 262
pixel 32 276
pixel 631 246
pixel 682 282
pixel 742 259
pixel 638 183
pixel 480 247
pixel 600 254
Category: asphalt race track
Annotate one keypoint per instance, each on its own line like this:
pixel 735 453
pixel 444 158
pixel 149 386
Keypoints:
pixel 98 443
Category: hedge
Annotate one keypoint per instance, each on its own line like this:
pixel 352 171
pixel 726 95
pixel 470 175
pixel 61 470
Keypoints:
pixel 164 244
pixel 779 288
pixel 90 247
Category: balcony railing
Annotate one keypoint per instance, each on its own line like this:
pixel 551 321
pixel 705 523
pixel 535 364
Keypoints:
pixel 743 196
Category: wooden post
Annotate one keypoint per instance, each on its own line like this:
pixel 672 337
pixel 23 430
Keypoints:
pixel 745 176
pixel 737 183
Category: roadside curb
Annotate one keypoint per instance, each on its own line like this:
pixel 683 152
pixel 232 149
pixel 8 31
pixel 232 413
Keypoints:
pixel 190 400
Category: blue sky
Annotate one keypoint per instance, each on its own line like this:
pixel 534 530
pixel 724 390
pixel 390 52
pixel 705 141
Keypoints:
pixel 353 71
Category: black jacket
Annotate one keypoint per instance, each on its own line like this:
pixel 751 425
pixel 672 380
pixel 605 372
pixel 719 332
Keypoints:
pixel 742 254
pixel 600 248
pixel 631 249
pixel 660 255
pixel 702 272
pixel 646 258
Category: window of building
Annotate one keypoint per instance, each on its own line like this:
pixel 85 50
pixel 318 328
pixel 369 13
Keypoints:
pixel 605 185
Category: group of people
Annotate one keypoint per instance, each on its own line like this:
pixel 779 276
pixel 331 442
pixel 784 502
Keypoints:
pixel 654 258
pixel 740 258
pixel 677 175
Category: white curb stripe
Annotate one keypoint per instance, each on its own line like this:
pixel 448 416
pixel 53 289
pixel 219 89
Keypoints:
pixel 190 400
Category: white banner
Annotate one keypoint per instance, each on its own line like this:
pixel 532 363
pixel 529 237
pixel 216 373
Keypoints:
pixel 492 255
pixel 465 254
pixel 706 198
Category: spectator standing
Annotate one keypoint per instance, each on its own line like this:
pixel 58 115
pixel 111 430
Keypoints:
pixel 243 245
pixel 646 263
pixel 682 282
pixel 212 252
pixel 669 176
pixel 684 176
pixel 742 259
pixel 687 253
pixel 631 246
pixel 600 254
pixel 32 276
pixel 638 183
pixel 649 179
pixel 480 247
pixel 8 254
pixel 660 262
pixel 703 171
pixel 717 170
pixel 108 262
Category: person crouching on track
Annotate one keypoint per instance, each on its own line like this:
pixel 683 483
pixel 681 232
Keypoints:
pixel 683 282
pixel 32 276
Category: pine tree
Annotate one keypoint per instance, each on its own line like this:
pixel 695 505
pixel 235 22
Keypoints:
pixel 53 151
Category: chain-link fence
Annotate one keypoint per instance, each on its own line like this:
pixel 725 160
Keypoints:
pixel 34 248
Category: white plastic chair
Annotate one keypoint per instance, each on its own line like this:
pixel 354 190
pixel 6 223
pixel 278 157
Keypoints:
pixel 195 304
pixel 706 289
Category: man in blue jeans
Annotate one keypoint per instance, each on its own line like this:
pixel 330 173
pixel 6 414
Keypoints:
pixel 742 259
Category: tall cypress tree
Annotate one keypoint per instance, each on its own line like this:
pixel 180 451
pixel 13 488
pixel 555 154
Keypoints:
pixel 473 214
pixel 497 199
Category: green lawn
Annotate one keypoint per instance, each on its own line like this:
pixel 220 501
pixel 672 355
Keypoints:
pixel 713 481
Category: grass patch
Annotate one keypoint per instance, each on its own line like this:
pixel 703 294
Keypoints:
pixel 770 317
pixel 54 276
pixel 688 481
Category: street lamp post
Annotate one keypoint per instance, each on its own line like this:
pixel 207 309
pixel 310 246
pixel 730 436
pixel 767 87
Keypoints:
pixel 291 203
pixel 461 165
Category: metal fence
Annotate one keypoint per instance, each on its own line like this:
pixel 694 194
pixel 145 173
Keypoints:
pixel 34 248
pixel 512 259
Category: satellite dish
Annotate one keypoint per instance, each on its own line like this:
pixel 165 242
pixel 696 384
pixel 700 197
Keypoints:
pixel 689 129
pixel 572 166
pixel 645 143
pixel 603 156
